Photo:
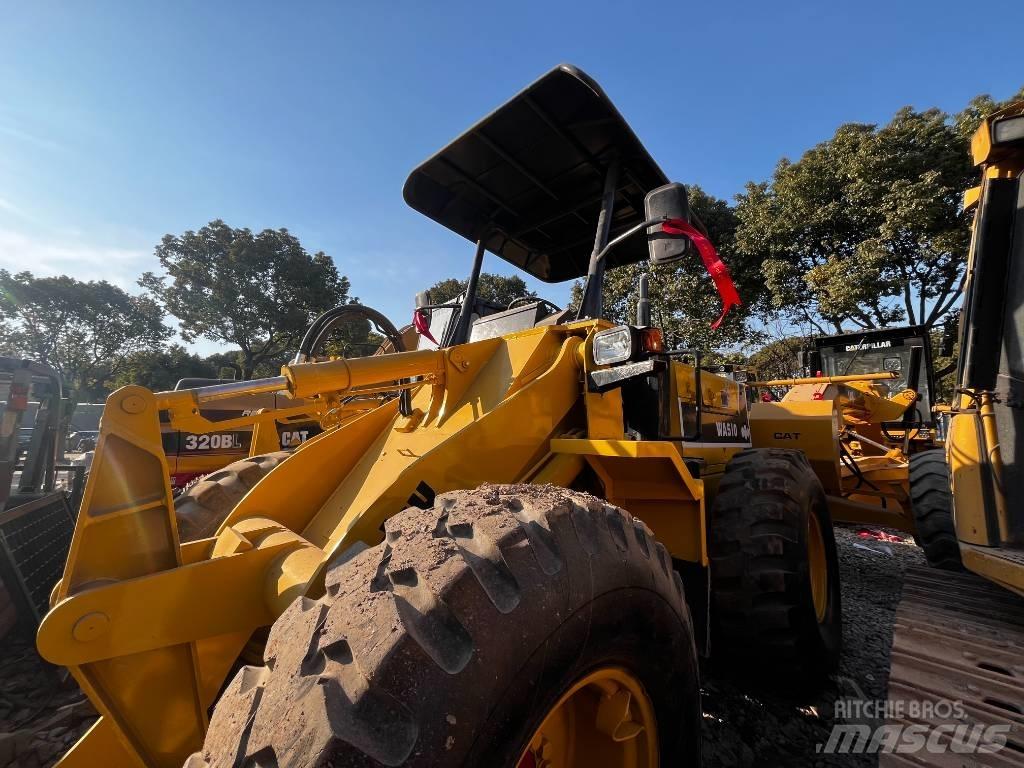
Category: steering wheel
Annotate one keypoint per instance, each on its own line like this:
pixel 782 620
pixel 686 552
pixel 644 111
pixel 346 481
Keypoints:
pixel 914 426
pixel 317 334
pixel 529 299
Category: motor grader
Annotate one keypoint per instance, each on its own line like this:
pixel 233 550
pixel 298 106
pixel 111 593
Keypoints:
pixel 488 570
pixel 865 422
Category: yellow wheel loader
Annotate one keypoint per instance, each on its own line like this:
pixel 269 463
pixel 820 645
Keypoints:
pixel 959 636
pixel 488 570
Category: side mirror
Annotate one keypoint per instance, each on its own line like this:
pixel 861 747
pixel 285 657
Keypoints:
pixel 422 299
pixel 669 201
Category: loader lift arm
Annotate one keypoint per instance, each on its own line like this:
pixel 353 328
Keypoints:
pixel 125 554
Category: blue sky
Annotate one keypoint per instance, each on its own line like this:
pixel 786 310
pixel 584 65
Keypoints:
pixel 120 122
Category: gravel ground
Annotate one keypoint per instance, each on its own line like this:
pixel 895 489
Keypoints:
pixel 41 715
pixel 42 712
pixel 747 727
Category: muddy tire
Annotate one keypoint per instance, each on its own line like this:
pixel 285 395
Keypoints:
pixel 202 507
pixel 447 644
pixel 765 618
pixel 931 502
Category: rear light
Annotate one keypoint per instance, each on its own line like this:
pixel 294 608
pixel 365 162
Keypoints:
pixel 651 340
pixel 624 342
pixel 18 397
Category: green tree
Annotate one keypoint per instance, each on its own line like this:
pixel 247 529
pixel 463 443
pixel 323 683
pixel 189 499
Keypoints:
pixel 257 292
pixel 684 301
pixel 85 330
pixel 160 369
pixel 499 289
pixel 867 229
pixel 225 364
pixel 945 354
pixel 777 359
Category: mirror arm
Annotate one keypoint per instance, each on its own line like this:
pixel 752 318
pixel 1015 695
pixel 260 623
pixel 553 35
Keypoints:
pixel 628 234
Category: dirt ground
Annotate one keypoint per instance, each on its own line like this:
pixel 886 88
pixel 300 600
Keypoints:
pixel 41 714
pixel 749 728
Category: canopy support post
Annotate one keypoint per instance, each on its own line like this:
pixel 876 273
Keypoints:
pixel 461 333
pixel 592 303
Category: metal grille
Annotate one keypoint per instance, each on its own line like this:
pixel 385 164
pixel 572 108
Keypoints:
pixel 958 638
pixel 34 542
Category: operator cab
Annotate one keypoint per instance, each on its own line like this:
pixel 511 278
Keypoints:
pixel 887 350
pixel 532 183
pixel 556 183
pixel 488 319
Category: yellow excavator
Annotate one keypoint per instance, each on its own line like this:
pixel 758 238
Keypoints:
pixel 513 563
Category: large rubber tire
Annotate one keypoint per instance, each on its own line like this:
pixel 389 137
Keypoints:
pixel 764 620
pixel 202 507
pixel 447 644
pixel 931 502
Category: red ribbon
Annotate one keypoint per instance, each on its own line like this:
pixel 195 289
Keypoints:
pixel 422 326
pixel 714 265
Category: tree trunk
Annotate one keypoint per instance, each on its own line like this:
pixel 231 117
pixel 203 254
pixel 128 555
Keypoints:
pixel 246 366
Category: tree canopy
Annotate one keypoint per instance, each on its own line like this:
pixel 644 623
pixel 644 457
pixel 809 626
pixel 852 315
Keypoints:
pixel 867 229
pixel 499 289
pixel 864 230
pixel 257 292
pixel 160 369
pixel 777 359
pixel 85 330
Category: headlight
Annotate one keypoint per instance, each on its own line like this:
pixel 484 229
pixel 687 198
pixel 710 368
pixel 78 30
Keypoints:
pixel 614 345
pixel 1011 129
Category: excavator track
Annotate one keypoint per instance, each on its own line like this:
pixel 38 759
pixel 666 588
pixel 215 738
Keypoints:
pixel 957 660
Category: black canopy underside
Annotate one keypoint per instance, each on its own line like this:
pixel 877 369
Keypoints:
pixel 528 179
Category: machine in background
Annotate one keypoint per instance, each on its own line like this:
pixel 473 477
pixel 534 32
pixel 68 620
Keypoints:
pixel 39 492
pixel 959 636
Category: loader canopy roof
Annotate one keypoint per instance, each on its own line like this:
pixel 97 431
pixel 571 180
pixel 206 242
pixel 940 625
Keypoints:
pixel 528 178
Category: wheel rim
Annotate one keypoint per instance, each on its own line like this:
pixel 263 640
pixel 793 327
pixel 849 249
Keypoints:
pixel 605 719
pixel 818 566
